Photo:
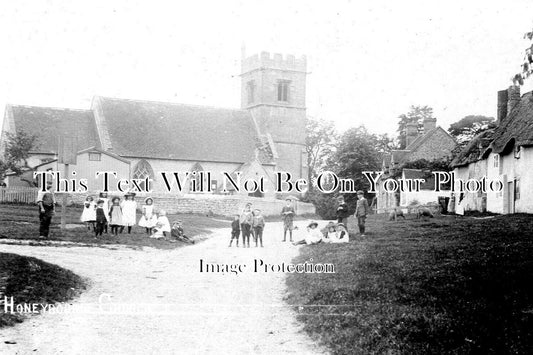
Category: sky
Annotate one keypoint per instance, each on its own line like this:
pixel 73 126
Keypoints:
pixel 367 61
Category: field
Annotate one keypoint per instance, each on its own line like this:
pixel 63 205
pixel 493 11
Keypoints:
pixel 444 285
pixel 30 280
pixel 22 222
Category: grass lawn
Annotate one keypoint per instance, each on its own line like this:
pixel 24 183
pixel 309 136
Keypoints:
pixel 444 285
pixel 30 280
pixel 22 222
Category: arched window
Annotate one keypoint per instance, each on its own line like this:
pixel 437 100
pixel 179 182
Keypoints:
pixel 143 170
pixel 195 181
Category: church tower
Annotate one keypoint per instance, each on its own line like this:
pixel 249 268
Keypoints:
pixel 273 90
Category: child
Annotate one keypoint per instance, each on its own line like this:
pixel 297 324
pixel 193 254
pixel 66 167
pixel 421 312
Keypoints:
pixel 103 197
pixel 115 216
pixel 235 231
pixel 314 235
pixel 101 219
pixel 149 218
pixel 342 211
pixel 158 231
pixel 89 212
pixel 246 225
pixel 330 233
pixel 341 234
pixel 361 211
pixel 178 233
pixel 258 224
pixel 129 210
pixel 164 224
pixel 287 214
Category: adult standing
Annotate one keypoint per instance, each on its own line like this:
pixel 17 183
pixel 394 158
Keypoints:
pixel 46 202
pixel 361 212
pixel 287 215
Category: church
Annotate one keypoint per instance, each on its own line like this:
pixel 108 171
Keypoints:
pixel 140 139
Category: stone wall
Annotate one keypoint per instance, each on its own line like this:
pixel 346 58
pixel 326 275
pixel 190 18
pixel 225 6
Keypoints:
pixel 216 204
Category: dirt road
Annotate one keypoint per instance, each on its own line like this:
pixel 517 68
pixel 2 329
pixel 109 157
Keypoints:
pixel 176 309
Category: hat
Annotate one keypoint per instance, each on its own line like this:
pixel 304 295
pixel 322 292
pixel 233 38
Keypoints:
pixel 331 224
pixel 360 192
pixel 288 199
pixel 129 193
pixel 148 198
pixel 103 193
pixel 312 223
pixel 341 225
pixel 115 199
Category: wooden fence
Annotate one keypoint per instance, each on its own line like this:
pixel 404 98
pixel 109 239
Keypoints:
pixel 18 194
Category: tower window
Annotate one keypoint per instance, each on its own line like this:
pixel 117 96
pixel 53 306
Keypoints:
pixel 251 91
pixel 283 90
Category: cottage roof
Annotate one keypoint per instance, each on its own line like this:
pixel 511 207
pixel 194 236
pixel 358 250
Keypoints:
pixel 517 127
pixel 429 178
pixel 163 130
pixel 47 123
pixel 473 151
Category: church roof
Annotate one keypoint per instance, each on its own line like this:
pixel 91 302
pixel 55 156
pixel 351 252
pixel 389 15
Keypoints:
pixel 47 123
pixel 163 130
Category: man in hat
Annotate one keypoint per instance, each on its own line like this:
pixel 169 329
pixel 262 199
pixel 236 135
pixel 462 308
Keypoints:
pixel 287 215
pixel 361 211
pixel 46 202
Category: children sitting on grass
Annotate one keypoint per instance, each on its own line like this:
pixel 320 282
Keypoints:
pixel 178 233
pixel 162 226
pixel 313 235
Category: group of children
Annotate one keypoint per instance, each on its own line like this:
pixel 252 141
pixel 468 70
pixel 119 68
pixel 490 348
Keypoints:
pixel 252 223
pixel 119 215
pixel 248 223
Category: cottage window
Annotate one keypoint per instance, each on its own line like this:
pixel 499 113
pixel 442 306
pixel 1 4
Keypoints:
pixel 517 189
pixel 496 161
pixel 517 151
pixel 283 90
pixel 196 183
pixel 95 156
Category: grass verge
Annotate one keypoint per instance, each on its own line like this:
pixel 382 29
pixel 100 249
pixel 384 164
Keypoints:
pixel 30 280
pixel 22 222
pixel 445 285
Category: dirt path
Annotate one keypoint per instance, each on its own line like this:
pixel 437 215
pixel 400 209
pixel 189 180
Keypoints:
pixel 203 312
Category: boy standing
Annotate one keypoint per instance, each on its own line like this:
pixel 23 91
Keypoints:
pixel 235 230
pixel 101 219
pixel 258 225
pixel 287 214
pixel 361 211
pixel 342 211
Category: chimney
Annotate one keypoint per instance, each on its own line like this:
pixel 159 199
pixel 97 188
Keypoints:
pixel 513 98
pixel 429 124
pixel 503 97
pixel 411 132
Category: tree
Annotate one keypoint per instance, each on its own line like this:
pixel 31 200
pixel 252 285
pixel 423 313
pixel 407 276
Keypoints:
pixel 319 144
pixel 18 148
pixel 416 114
pixel 527 62
pixel 470 126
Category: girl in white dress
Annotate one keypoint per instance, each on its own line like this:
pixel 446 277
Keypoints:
pixel 149 218
pixel 89 212
pixel 129 211
pixel 162 226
